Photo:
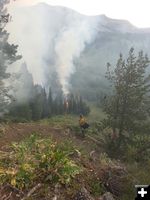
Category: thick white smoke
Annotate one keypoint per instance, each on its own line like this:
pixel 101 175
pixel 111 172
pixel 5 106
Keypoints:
pixel 69 45
pixel 29 30
pixel 50 39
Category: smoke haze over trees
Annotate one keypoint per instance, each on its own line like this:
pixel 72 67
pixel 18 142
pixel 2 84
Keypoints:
pixel 68 54
pixel 73 48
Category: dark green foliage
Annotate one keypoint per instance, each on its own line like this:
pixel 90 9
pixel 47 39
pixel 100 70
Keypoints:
pixel 77 105
pixel 7 56
pixel 97 187
pixel 21 112
pixel 58 105
pixel 45 104
pixel 40 105
pixel 37 103
pixel 130 86
pixel 50 103
pixel 138 148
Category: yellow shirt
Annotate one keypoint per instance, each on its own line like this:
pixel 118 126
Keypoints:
pixel 82 121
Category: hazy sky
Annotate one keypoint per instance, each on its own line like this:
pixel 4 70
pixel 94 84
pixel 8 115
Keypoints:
pixel 136 11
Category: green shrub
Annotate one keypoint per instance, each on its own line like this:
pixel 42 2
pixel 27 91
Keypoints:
pixel 138 148
pixel 128 147
pixel 37 159
pixel 105 160
pixel 97 188
pixel 109 144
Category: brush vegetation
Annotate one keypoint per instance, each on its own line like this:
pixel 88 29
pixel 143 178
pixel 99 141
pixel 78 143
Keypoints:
pixel 36 160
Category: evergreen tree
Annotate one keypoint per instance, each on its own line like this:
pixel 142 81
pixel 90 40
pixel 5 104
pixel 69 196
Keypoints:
pixel 74 102
pixel 77 105
pixel 71 102
pixel 7 56
pixel 21 111
pixel 50 103
pixel 60 104
pixel 45 104
pixel 55 106
pixel 131 85
pixel 37 103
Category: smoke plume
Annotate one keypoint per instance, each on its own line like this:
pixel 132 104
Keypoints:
pixel 69 45
pixel 50 39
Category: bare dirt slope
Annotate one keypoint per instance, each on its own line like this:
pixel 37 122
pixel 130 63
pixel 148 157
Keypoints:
pixel 17 131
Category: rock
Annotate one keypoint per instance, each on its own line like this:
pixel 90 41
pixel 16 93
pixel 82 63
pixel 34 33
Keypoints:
pixel 92 155
pixel 55 198
pixel 83 194
pixel 56 191
pixel 107 196
pixel 76 154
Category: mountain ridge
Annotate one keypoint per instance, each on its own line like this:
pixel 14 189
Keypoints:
pixel 102 16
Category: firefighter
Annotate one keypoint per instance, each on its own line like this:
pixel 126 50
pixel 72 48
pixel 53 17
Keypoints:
pixel 83 125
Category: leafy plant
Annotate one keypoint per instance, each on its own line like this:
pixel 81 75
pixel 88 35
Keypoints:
pixel 138 148
pixel 37 159
pixel 105 160
pixel 97 188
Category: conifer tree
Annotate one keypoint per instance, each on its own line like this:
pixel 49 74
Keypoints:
pixel 130 86
pixel 45 104
pixel 37 103
pixel 50 103
pixel 7 56
pixel 20 111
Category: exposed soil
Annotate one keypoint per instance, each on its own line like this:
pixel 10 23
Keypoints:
pixel 16 132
